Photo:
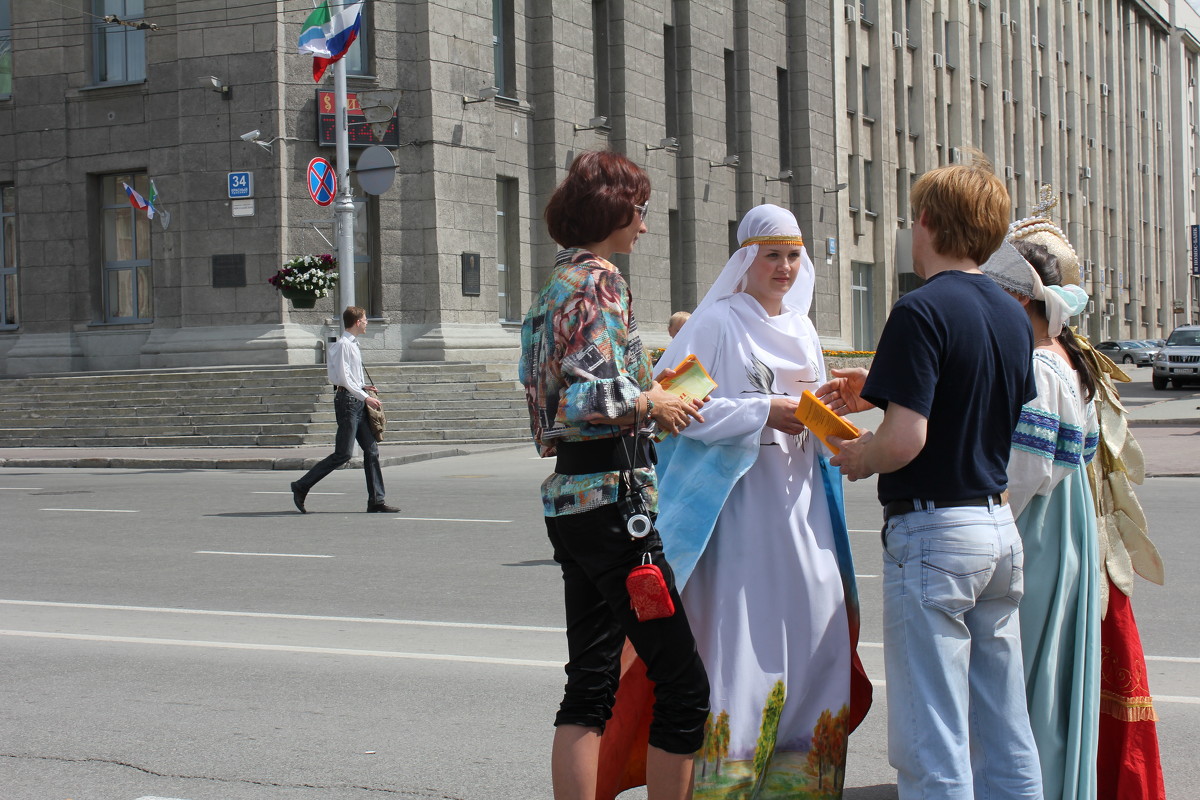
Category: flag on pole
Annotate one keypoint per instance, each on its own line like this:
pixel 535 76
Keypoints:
pixel 164 216
pixel 329 36
pixel 135 199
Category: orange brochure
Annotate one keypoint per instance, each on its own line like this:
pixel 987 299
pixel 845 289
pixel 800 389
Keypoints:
pixel 691 381
pixel 819 419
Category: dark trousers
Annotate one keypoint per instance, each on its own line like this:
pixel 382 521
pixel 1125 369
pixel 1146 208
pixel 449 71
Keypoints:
pixel 352 424
pixel 596 554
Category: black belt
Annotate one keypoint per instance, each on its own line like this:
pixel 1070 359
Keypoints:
pixel 341 389
pixel 907 506
pixel 610 454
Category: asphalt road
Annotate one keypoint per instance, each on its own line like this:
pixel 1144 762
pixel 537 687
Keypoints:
pixel 189 635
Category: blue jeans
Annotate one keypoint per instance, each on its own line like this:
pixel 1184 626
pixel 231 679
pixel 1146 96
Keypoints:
pixel 351 414
pixel 958 727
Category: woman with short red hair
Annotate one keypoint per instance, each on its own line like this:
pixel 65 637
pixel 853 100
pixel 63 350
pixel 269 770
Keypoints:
pixel 591 401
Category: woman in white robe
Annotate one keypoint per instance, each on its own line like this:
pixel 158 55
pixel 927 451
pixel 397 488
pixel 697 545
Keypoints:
pixel 755 531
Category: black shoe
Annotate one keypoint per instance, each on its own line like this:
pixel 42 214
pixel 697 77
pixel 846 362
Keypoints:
pixel 298 496
pixel 381 508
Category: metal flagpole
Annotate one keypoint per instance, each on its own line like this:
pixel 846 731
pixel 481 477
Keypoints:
pixel 343 207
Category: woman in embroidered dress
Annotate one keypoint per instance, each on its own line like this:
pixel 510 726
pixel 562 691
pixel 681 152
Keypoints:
pixel 754 527
pixel 1048 487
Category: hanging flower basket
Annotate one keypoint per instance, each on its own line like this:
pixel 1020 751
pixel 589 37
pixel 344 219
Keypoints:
pixel 305 279
pixel 299 297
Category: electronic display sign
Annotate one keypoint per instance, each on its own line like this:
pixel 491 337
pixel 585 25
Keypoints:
pixel 360 132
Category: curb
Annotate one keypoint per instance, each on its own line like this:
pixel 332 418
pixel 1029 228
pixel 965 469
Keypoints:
pixel 281 464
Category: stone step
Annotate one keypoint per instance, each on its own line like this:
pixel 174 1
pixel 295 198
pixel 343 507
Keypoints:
pixel 270 440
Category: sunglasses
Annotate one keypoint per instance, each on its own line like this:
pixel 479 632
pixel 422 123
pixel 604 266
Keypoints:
pixel 643 210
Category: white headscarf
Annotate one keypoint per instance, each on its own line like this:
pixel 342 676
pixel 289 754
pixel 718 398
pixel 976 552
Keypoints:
pixel 1013 272
pixel 765 224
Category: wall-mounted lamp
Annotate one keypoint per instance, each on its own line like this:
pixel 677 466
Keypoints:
pixel 730 161
pixel 785 175
pixel 670 144
pixel 482 96
pixel 595 123
pixel 837 188
pixel 217 85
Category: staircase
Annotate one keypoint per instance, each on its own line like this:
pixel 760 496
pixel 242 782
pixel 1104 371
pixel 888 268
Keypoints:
pixel 255 406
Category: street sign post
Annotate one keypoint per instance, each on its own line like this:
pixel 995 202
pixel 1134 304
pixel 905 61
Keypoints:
pixel 241 185
pixel 322 182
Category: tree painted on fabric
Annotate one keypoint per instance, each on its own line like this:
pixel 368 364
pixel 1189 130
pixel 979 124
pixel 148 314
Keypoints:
pixel 721 737
pixel 716 743
pixel 827 758
pixel 768 733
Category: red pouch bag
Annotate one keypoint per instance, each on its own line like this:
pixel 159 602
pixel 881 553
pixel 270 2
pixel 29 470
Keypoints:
pixel 648 593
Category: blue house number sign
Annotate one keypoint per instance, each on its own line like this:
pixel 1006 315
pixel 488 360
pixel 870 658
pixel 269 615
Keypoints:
pixel 241 184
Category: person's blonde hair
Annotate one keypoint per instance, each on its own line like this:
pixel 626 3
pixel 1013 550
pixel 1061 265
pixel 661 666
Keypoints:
pixel 965 206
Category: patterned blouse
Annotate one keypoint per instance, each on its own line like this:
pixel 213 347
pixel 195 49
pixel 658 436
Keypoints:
pixel 582 362
pixel 1056 434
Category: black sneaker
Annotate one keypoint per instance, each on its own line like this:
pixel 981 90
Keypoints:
pixel 381 508
pixel 298 496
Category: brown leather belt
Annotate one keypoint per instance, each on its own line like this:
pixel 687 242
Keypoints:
pixel 908 506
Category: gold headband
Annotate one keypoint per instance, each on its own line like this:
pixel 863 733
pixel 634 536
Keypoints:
pixel 796 240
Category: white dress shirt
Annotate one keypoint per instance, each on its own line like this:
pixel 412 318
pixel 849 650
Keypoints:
pixel 345 365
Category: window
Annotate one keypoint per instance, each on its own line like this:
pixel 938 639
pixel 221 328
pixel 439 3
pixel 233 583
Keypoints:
pixel 6 56
pixel 601 66
pixel 365 267
pixel 8 257
pixel 508 251
pixel 357 58
pixel 862 310
pixel 731 95
pixel 125 241
pixel 671 81
pixel 868 178
pixel 118 51
pixel 865 109
pixel 785 119
pixel 504 47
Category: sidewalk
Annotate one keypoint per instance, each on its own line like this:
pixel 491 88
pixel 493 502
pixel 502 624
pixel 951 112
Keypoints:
pixel 280 458
pixel 1166 424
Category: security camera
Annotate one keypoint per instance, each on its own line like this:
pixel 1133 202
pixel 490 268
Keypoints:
pixel 251 136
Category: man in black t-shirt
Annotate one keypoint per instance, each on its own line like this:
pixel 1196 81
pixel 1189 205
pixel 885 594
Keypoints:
pixel 952 370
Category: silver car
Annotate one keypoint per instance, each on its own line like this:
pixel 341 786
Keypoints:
pixel 1129 351
pixel 1179 360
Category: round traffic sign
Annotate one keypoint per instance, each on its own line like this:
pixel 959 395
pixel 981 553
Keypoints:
pixel 322 181
pixel 376 169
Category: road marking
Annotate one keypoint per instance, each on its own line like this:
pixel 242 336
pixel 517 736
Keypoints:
pixel 280 648
pixel 20 488
pixel 450 519
pixel 93 510
pixel 1166 698
pixel 482 626
pixel 271 555
pixel 310 494
pixel 1174 659
pixel 873 530
pixel 865 576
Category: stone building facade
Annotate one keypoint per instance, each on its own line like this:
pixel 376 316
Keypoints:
pixel 726 103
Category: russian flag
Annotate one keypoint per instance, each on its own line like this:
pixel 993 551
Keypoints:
pixel 135 199
pixel 328 37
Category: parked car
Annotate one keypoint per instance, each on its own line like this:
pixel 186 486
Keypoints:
pixel 1179 360
pixel 1129 351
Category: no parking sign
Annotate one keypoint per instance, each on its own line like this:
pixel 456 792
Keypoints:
pixel 322 182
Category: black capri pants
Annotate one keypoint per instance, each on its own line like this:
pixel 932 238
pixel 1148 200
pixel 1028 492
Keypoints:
pixel 596 554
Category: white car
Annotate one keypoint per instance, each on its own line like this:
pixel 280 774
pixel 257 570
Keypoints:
pixel 1179 360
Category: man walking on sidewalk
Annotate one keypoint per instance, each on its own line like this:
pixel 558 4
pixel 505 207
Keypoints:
pixel 350 402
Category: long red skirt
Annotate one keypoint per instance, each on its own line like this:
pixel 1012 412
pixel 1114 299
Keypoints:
pixel 1128 766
